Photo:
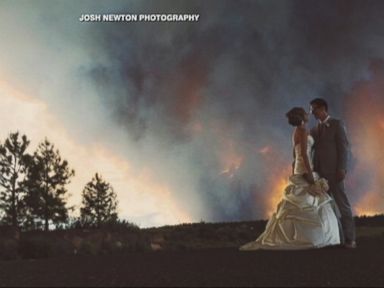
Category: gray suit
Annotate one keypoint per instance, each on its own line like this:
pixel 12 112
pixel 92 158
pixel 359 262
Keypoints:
pixel 331 155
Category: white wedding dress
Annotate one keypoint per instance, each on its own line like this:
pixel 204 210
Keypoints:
pixel 301 221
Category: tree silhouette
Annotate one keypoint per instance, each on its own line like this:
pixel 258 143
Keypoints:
pixel 47 177
pixel 99 202
pixel 13 173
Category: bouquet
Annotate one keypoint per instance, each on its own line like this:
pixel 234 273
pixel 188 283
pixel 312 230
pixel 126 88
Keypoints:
pixel 319 187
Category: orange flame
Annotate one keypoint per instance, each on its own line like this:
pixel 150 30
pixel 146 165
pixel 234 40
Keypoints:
pixel 277 176
pixel 265 150
pixel 234 163
pixel 230 158
pixel 364 119
pixel 276 188
pixel 367 206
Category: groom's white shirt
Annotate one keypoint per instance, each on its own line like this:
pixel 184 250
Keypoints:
pixel 325 120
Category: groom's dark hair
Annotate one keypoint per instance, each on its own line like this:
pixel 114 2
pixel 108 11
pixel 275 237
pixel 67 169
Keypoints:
pixel 320 102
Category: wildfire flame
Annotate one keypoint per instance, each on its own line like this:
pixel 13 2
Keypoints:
pixel 277 174
pixel 264 150
pixel 230 158
pixel 234 164
pixel 364 119
pixel 276 188
pixel 368 205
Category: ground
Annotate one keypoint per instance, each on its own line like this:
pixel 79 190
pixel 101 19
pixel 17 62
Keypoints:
pixel 361 267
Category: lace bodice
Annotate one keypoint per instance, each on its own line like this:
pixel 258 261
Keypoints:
pixel 299 167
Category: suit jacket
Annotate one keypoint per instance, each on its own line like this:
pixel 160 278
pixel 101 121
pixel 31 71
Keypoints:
pixel 331 148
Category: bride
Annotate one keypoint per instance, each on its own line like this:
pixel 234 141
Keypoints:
pixel 305 217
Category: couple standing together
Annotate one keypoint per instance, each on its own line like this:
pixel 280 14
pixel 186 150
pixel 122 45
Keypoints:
pixel 315 211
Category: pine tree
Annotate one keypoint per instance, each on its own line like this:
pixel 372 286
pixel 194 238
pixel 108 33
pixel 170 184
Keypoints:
pixel 99 202
pixel 13 173
pixel 47 177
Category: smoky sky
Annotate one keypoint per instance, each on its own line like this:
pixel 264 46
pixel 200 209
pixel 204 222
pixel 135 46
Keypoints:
pixel 235 72
pixel 244 61
pixel 244 64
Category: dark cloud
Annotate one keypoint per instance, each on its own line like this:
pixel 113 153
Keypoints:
pixel 202 94
pixel 243 65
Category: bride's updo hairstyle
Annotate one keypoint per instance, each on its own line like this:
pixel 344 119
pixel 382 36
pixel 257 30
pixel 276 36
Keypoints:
pixel 296 116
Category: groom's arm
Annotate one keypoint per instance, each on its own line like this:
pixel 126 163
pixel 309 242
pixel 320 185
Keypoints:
pixel 342 146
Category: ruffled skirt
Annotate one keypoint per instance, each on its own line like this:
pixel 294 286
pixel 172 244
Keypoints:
pixel 301 221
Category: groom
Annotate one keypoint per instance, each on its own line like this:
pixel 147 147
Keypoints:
pixel 330 161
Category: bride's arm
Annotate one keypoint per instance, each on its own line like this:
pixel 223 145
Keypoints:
pixel 303 138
